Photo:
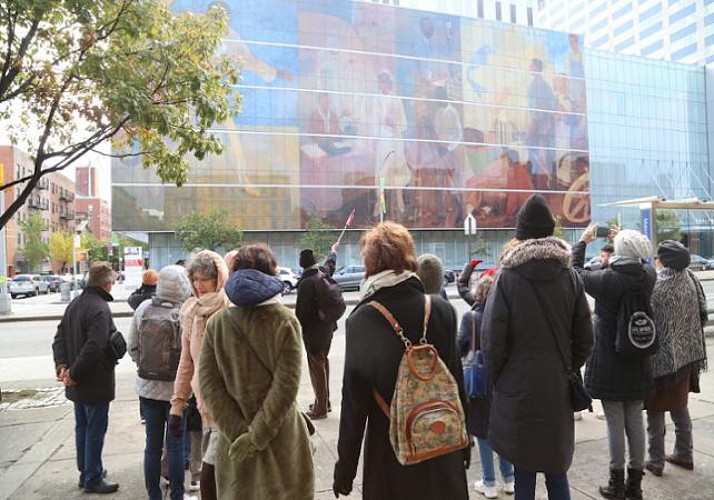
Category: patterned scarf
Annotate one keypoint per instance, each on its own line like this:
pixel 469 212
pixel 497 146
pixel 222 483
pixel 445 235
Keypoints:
pixel 676 305
pixel 383 280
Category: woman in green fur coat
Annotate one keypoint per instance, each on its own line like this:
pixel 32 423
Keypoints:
pixel 249 377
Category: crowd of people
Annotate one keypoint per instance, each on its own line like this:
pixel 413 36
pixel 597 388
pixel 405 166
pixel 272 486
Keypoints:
pixel 216 329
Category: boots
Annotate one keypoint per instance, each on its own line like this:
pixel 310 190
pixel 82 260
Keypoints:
pixel 633 490
pixel 615 489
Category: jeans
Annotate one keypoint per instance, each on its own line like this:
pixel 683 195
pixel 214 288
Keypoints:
pixel 90 426
pixel 556 484
pixel 683 446
pixel 624 418
pixel 489 474
pixel 156 414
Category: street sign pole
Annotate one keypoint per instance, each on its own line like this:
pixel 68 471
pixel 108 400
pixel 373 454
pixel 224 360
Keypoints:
pixel 469 231
pixel 5 299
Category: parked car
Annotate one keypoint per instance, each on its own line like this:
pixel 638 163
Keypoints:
pixel 287 276
pixel 449 276
pixel 54 281
pixel 698 263
pixel 28 285
pixel 349 277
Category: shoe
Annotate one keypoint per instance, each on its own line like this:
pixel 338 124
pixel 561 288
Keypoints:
pixel 194 486
pixel 80 484
pixel 186 496
pixel 102 486
pixel 312 405
pixel 509 487
pixel 656 471
pixel 680 462
pixel 578 415
pixel 314 415
pixel 615 489
pixel 487 491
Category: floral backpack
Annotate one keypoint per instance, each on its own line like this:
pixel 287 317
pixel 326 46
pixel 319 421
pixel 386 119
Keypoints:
pixel 426 416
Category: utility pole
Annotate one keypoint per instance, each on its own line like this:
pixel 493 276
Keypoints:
pixel 5 299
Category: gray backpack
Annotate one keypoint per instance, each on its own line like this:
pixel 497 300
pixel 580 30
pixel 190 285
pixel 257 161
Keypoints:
pixel 159 341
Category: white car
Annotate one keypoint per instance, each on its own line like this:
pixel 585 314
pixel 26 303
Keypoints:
pixel 287 276
pixel 28 285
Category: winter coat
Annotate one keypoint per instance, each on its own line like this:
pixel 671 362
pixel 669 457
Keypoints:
pixel 372 356
pixel 81 344
pixel 608 376
pixel 141 294
pixel 479 408
pixel 531 423
pixel 316 333
pixel 463 284
pixel 173 287
pixel 249 377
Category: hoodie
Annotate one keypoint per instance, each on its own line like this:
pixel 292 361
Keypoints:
pixel 250 287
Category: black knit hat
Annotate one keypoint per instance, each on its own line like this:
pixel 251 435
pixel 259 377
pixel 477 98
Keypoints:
pixel 673 254
pixel 535 219
pixel 307 258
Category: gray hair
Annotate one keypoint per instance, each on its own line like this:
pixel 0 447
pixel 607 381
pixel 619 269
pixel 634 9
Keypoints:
pixel 204 264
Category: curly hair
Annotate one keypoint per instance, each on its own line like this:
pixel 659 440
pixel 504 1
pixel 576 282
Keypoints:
pixel 388 245
pixel 482 288
pixel 203 264
pixel 258 256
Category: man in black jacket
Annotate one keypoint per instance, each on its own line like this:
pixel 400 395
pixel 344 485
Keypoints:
pixel 86 368
pixel 316 333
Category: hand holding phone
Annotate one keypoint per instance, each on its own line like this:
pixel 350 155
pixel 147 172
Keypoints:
pixel 602 231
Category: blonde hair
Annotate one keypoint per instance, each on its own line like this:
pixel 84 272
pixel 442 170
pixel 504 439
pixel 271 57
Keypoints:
pixel 482 288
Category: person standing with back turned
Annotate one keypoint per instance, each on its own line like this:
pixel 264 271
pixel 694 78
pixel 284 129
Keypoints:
pixel 87 371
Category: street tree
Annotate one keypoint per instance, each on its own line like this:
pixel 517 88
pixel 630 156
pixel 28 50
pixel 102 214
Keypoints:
pixel 35 250
pixel 318 236
pixel 61 246
pixel 669 225
pixel 96 249
pixel 74 74
pixel 210 231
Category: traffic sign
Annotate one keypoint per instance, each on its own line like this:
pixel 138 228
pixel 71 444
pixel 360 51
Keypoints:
pixel 470 225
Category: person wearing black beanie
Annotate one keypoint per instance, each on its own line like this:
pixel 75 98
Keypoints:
pixel 307 258
pixel 535 220
pixel 673 254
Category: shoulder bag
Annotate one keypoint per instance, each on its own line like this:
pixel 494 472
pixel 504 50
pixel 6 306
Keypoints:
pixel 475 376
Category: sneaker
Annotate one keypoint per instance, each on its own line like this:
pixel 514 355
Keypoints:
pixel 487 491
pixel 656 471
pixel 194 486
pixel 578 415
pixel 186 496
pixel 509 487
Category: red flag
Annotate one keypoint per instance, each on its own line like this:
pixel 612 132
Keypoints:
pixel 350 219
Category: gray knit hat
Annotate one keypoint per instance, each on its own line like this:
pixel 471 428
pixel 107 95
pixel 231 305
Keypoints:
pixel 631 243
pixel 173 284
pixel 430 272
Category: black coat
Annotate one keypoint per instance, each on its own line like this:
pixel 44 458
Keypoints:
pixel 81 343
pixel 479 408
pixel 316 333
pixel 372 356
pixel 531 423
pixel 144 292
pixel 607 375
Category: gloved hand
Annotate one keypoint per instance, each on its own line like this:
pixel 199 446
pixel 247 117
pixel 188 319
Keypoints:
pixel 175 426
pixel 341 489
pixel 242 448
pixel 474 263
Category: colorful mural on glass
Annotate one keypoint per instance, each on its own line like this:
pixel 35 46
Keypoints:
pixel 344 102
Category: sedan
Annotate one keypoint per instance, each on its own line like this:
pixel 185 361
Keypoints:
pixel 698 263
pixel 53 281
pixel 349 277
pixel 28 285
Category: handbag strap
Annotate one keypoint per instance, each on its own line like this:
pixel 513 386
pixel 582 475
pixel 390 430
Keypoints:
pixel 546 313
pixel 473 332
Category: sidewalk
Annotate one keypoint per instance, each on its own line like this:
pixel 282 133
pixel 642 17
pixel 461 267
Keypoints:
pixel 38 457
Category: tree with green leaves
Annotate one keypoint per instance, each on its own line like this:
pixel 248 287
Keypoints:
pixel 318 236
pixel 669 225
pixel 96 249
pixel 61 246
pixel 35 250
pixel 128 70
pixel 209 231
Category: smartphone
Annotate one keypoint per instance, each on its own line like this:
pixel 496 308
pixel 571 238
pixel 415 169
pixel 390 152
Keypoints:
pixel 602 231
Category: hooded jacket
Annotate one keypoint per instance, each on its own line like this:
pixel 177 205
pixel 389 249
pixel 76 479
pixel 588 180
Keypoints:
pixel 531 409
pixel 249 378
pixel 608 376
pixel 173 286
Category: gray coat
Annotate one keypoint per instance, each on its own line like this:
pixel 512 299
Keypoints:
pixel 531 421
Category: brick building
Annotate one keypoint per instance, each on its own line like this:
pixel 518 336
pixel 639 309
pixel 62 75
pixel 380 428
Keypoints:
pixel 90 207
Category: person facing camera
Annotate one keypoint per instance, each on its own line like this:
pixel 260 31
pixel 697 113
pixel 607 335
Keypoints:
pixel 536 333
pixel 249 377
pixel 373 354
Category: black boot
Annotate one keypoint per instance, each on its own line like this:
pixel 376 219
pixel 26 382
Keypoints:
pixel 616 487
pixel 634 484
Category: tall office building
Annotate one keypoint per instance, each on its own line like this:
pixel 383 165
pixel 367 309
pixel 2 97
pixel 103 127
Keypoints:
pixel 673 30
pixel 507 11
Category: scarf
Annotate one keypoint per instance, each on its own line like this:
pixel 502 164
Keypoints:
pixel 677 316
pixel 384 279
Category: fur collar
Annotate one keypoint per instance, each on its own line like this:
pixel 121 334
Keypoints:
pixel 538 249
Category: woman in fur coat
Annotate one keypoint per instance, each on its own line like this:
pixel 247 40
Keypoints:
pixel 249 376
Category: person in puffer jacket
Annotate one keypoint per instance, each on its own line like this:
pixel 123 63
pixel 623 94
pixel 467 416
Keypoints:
pixel 172 289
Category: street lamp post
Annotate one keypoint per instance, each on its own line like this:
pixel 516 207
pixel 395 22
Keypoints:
pixel 5 299
pixel 382 200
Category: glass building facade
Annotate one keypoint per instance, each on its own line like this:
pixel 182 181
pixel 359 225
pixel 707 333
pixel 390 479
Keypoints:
pixel 423 118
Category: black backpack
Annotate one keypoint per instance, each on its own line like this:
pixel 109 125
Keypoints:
pixel 636 332
pixel 159 341
pixel 330 303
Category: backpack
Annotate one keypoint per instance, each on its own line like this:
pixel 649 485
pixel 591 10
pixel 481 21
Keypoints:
pixel 636 332
pixel 159 341
pixel 426 416
pixel 330 303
